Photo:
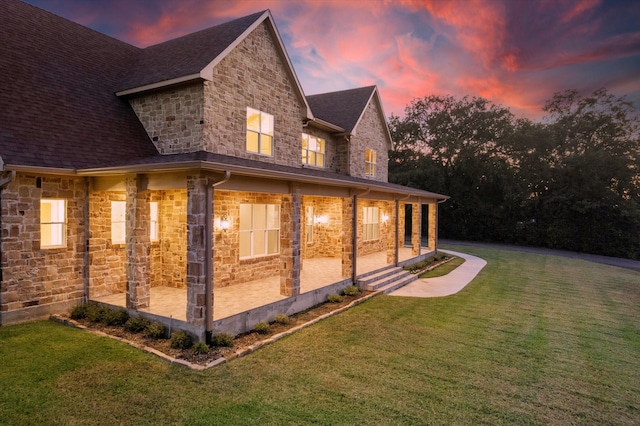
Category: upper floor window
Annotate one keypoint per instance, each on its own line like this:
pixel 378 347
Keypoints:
pixel 371 223
pixel 259 230
pixel 369 162
pixel 259 132
pixel 118 222
pixel 313 150
pixel 53 223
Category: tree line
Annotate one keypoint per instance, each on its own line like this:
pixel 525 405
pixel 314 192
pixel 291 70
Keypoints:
pixel 570 181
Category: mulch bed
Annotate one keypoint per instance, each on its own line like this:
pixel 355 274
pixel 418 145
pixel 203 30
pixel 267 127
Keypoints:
pixel 242 344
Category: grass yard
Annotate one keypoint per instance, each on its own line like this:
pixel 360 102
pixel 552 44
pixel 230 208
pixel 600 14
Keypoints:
pixel 533 340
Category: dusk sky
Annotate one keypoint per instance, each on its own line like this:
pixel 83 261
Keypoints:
pixel 516 53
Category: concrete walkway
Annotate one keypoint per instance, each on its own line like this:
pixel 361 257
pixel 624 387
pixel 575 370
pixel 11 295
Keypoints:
pixel 448 284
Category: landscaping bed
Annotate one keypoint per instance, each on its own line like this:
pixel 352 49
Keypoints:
pixel 198 355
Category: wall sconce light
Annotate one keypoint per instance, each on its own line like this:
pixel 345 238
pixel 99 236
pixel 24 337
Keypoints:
pixel 384 218
pixel 223 223
pixel 321 220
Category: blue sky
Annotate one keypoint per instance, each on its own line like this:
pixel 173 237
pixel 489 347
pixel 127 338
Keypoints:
pixel 516 53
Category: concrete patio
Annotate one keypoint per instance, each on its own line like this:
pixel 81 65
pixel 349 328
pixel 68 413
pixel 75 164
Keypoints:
pixel 316 273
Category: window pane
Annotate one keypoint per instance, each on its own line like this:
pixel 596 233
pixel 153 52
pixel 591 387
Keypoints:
pixel 253 119
pixel 273 216
pixel 320 160
pixel 245 244
pixel 266 123
pixel 259 216
pixel 265 144
pixel 245 217
pixel 373 156
pixel 321 145
pixel 309 218
pixel 259 243
pixel 45 211
pixel 252 141
pixel 312 158
pixel 313 143
pixel 273 241
pixel 304 141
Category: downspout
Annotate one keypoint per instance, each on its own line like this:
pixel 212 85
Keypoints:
pixel 208 303
pixel 354 234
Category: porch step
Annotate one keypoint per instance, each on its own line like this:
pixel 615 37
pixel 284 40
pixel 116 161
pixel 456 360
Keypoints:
pixel 386 280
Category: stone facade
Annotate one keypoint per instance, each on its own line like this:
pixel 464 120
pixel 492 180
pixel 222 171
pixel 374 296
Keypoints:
pixel 370 134
pixel 326 240
pixel 387 228
pixel 173 119
pixel 253 75
pixel 37 281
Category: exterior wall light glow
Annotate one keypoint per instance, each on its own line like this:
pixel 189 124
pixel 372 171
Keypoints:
pixel 223 223
pixel 322 220
pixel 384 218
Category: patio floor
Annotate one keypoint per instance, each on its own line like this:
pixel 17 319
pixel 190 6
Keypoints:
pixel 171 302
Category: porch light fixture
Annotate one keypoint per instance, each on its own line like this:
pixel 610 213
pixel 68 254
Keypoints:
pixel 224 223
pixel 321 220
pixel 384 218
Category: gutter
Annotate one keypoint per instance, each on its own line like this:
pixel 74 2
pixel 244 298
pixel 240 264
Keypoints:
pixel 208 229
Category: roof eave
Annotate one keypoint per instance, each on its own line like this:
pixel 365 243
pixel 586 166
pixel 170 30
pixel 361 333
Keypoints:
pixel 163 84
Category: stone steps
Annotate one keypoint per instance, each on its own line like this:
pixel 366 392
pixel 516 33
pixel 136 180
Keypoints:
pixel 386 280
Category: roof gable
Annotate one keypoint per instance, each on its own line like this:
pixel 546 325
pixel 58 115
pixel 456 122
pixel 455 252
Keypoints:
pixel 193 56
pixel 346 108
pixel 57 107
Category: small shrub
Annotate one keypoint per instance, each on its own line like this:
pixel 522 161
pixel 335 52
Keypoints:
pixel 200 348
pixel 79 312
pixel 261 327
pixel 155 330
pixel 334 298
pixel 136 324
pixel 222 339
pixel 352 290
pixel 281 319
pixel 96 313
pixel 180 340
pixel 117 317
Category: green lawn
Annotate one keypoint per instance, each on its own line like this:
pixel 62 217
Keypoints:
pixel 533 340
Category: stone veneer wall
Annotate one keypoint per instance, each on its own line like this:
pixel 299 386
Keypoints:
pixel 370 133
pixel 173 239
pixel 228 268
pixel 253 75
pixel 172 118
pixel 327 238
pixel 386 229
pixel 107 261
pixel 37 282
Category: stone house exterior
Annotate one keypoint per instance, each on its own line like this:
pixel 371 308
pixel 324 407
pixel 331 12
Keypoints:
pixel 193 167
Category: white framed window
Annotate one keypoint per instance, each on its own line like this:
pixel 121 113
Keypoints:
pixel 53 223
pixel 369 162
pixel 259 230
pixel 259 132
pixel 313 150
pixel 371 223
pixel 309 224
pixel 118 222
pixel 154 226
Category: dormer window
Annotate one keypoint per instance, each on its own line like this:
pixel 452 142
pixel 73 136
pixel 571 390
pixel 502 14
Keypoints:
pixel 313 150
pixel 259 132
pixel 369 162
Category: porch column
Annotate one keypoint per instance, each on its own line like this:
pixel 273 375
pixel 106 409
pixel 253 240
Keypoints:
pixel 347 237
pixel 137 246
pixel 415 229
pixel 197 186
pixel 433 226
pixel 391 231
pixel 290 244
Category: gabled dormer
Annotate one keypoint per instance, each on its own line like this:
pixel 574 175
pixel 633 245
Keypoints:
pixel 364 143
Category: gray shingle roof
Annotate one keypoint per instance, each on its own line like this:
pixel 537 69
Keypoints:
pixel 57 103
pixel 342 108
pixel 186 55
